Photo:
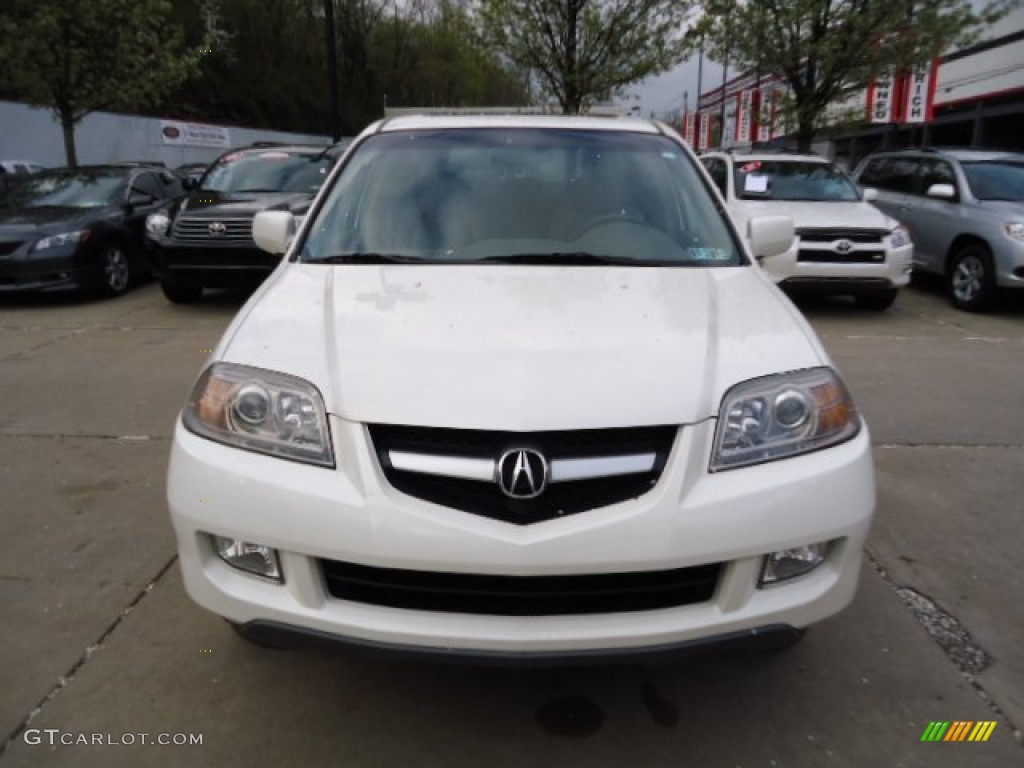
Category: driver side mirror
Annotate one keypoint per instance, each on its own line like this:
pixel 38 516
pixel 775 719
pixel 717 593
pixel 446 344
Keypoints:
pixel 139 199
pixel 770 235
pixel 942 191
pixel 273 231
pixel 869 195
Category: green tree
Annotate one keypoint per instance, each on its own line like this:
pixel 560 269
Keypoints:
pixel 826 50
pixel 585 50
pixel 78 56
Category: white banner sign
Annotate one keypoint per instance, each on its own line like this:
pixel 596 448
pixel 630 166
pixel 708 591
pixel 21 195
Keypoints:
pixel 917 108
pixel 880 99
pixel 689 124
pixel 744 118
pixel 194 134
pixel 764 116
pixel 704 135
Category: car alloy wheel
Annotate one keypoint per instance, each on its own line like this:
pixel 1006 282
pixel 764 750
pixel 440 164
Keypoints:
pixel 971 285
pixel 116 270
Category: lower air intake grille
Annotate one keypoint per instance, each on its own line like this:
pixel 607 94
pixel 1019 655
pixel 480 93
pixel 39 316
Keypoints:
pixel 521 595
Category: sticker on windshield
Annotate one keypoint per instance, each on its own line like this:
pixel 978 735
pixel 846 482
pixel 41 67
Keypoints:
pixel 273 155
pixel 670 155
pixel 708 254
pixel 755 182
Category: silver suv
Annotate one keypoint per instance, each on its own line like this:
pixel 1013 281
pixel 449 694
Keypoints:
pixel 965 213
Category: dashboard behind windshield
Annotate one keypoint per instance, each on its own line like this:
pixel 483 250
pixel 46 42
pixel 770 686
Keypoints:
pixel 269 171
pixel 65 190
pixel 793 180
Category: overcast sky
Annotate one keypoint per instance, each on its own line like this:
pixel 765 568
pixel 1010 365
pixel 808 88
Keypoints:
pixel 664 93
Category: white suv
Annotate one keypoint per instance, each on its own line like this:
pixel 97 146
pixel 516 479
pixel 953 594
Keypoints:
pixel 844 245
pixel 517 390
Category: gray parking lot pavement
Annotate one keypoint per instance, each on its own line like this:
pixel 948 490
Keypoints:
pixel 100 639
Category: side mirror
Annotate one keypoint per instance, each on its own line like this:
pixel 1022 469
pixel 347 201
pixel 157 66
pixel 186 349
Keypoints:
pixel 869 195
pixel 273 230
pixel 942 191
pixel 188 183
pixel 770 235
pixel 138 199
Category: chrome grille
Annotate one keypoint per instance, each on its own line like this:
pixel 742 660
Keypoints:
pixel 198 230
pixel 832 234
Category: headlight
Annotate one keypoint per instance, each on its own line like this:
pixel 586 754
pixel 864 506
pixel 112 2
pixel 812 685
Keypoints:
pixel 899 237
pixel 1015 230
pixel 782 415
pixel 157 224
pixel 64 238
pixel 260 411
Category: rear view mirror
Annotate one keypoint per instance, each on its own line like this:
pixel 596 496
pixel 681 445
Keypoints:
pixel 273 230
pixel 770 235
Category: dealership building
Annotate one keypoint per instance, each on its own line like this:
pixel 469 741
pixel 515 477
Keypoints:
pixel 973 97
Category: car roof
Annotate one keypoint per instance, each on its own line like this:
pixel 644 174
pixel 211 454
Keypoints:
pixel 966 155
pixel 563 122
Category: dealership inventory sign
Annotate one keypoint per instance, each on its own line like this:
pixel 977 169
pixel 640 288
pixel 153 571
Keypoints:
pixel 194 134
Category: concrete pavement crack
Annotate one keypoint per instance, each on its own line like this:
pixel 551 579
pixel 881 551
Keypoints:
pixel 955 640
pixel 67 677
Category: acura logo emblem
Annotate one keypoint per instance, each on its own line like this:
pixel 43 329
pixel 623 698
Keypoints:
pixel 842 246
pixel 218 228
pixel 522 473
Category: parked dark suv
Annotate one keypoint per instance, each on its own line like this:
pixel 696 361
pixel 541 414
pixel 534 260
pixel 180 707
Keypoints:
pixel 205 240
pixel 80 228
pixel 965 212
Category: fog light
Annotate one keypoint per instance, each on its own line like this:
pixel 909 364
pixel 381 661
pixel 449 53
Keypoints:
pixel 246 556
pixel 790 563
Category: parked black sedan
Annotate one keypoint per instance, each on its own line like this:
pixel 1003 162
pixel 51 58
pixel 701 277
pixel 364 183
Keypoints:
pixel 205 240
pixel 80 228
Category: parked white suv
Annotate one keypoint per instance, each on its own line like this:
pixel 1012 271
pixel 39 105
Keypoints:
pixel 518 390
pixel 844 245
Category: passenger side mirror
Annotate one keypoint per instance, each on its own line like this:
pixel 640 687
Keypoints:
pixel 869 195
pixel 188 183
pixel 942 191
pixel 770 235
pixel 273 231
pixel 139 199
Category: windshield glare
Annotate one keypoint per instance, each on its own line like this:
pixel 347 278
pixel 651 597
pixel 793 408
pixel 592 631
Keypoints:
pixel 792 180
pixel 66 190
pixel 996 180
pixel 538 194
pixel 269 171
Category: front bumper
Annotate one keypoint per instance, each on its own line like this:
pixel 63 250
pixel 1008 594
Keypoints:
pixel 839 277
pixel 351 515
pixel 60 271
pixel 212 265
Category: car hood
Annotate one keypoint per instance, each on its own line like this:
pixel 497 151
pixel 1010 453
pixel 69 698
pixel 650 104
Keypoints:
pixel 203 204
pixel 521 348
pixel 1008 208
pixel 811 215
pixel 23 222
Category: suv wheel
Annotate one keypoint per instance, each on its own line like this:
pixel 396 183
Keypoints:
pixel 180 292
pixel 876 301
pixel 972 285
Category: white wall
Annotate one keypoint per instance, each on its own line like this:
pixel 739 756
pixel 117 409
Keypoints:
pixel 33 134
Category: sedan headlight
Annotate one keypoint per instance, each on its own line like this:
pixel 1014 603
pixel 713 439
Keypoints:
pixel 899 237
pixel 782 415
pixel 157 224
pixel 64 238
pixel 260 411
pixel 1015 230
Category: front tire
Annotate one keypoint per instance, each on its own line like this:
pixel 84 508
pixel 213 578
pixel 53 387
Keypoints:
pixel 117 272
pixel 180 292
pixel 876 301
pixel 971 279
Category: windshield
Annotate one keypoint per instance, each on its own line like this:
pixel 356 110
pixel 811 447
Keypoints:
pixel 521 195
pixel 996 180
pixel 273 170
pixel 792 180
pixel 71 190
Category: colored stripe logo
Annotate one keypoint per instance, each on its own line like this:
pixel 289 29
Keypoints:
pixel 959 730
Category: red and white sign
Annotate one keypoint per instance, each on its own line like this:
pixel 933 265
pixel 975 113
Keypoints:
pixel 744 116
pixel 689 126
pixel 919 94
pixel 765 112
pixel 881 96
pixel 704 135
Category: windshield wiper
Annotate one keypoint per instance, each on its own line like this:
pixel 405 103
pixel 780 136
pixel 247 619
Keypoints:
pixel 367 258
pixel 568 258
